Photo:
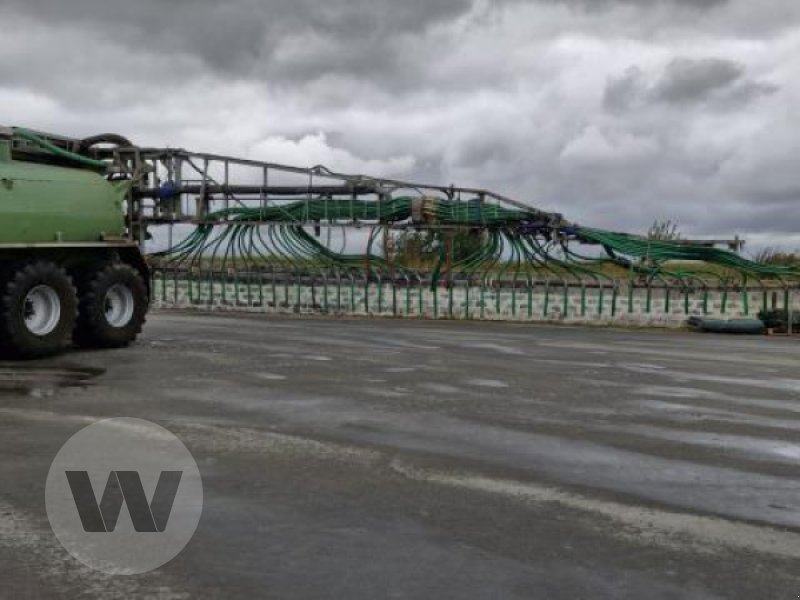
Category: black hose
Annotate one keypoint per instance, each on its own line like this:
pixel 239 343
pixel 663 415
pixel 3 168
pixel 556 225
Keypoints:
pixel 105 138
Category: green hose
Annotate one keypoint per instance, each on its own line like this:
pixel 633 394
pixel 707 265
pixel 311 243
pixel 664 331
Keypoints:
pixel 510 246
pixel 55 150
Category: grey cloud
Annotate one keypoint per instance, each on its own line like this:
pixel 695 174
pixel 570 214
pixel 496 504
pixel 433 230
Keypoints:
pixel 621 93
pixel 479 148
pixel 768 219
pixel 233 36
pixel 603 4
pixel 746 92
pixel 687 80
pixel 243 37
pixel 684 82
pixel 663 107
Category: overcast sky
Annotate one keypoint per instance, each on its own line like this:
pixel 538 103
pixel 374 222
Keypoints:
pixel 613 112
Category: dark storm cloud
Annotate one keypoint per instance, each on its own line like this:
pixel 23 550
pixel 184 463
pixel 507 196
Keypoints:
pixel 233 35
pixel 362 38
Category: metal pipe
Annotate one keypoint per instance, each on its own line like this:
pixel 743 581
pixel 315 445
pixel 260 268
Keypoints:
pixel 253 190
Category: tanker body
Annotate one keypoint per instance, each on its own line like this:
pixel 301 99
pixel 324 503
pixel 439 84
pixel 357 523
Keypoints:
pixel 68 270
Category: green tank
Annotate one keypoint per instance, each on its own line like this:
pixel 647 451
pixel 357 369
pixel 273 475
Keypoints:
pixel 42 204
pixel 70 272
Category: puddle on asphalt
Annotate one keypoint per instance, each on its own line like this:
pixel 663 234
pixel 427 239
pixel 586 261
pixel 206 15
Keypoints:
pixel 25 379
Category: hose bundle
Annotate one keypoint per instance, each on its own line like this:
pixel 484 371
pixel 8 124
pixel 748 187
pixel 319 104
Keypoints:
pixel 513 244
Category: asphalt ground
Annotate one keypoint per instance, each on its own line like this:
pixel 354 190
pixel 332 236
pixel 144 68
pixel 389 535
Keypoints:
pixel 386 459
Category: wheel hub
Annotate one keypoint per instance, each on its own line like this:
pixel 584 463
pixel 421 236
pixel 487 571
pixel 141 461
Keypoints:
pixel 119 305
pixel 42 310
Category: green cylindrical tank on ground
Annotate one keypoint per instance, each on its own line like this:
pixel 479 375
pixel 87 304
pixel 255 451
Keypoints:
pixel 44 204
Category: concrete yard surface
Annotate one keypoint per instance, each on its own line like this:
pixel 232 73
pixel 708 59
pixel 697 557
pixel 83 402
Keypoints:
pixel 406 459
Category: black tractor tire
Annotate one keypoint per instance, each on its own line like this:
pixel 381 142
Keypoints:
pixel 38 310
pixel 113 306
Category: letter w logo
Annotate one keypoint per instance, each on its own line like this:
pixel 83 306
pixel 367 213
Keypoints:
pixel 124 486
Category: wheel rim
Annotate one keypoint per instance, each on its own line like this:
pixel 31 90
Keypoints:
pixel 119 305
pixel 42 310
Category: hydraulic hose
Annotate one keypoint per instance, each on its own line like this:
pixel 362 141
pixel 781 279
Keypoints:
pixel 55 150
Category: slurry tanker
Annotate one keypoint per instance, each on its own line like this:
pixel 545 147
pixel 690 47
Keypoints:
pixel 77 214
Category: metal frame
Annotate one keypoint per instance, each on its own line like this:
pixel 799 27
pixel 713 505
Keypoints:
pixel 175 186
